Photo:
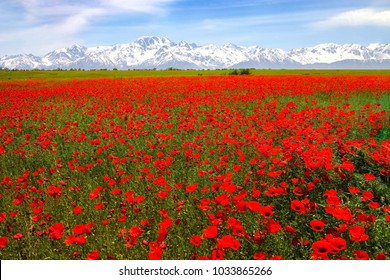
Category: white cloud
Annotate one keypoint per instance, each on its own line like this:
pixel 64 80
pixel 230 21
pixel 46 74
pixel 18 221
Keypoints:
pixel 145 6
pixel 43 25
pixel 253 21
pixel 360 17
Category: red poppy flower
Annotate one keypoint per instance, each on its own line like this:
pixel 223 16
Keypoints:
pixel 238 229
pixel 259 256
pixel 135 231
pixel 2 216
pixel 273 226
pixel 342 228
pixel 298 191
pixel 37 210
pixel 116 191
pixel 195 240
pixel 99 206
pixel 70 240
pixel 78 229
pixel 217 254
pixel 163 213
pixel 361 255
pixel 210 232
pixel 374 205
pixel 333 200
pixel 369 177
pixel 317 225
pixel 77 210
pixel 155 251
pixel 122 218
pixel 3 242
pixel 338 244
pixel 331 192
pixel 162 234
pixel 254 206
pixel 139 199
pixel 191 188
pixel 353 190
pixel 95 193
pixel 357 234
pixel 321 249
pixel 54 191
pixel 18 236
pixel 80 239
pixel 310 186
pixel 228 241
pixel 111 183
pixel 298 206
pixel 290 229
pixel 145 223
pixel 266 211
pixel 380 256
pixel 237 168
pixel 343 213
pixel 56 231
pixel 83 229
pixel 166 223
pixel 93 255
pixel 202 173
pixel 367 196
pixel 367 219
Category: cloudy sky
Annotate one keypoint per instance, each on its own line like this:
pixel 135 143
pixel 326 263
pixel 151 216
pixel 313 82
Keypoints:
pixel 39 26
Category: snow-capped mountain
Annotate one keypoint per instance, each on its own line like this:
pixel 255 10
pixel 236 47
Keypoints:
pixel 161 53
pixel 23 61
pixel 330 53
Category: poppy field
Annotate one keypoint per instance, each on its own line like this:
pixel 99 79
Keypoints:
pixel 293 167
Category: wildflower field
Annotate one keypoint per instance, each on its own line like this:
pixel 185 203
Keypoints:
pixel 292 167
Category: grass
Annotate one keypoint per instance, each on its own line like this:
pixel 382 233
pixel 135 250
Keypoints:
pixel 92 74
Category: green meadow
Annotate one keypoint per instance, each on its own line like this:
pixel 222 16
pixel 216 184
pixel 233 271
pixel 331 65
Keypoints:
pixel 93 74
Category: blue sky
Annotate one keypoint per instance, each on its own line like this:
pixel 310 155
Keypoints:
pixel 39 26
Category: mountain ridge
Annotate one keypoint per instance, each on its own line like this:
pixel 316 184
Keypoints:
pixel 152 52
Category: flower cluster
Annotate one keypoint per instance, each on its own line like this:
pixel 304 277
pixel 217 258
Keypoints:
pixel 237 167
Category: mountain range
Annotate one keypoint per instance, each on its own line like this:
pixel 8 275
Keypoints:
pixel 151 52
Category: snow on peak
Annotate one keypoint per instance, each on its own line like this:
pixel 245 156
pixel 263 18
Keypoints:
pixel 153 41
pixel 160 52
pixel 184 44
